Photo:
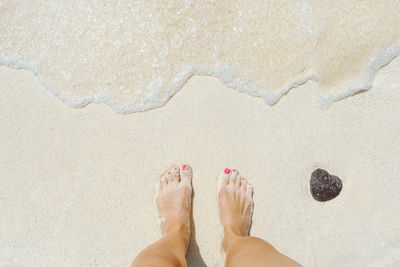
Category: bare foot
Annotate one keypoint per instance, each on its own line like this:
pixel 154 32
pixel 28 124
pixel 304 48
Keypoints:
pixel 235 201
pixel 174 201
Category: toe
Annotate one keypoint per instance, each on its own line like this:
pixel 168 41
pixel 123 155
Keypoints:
pixel 238 181
pixel 170 174
pixel 186 174
pixel 243 184
pixel 223 179
pixel 163 180
pixel 232 178
pixel 249 190
pixel 175 174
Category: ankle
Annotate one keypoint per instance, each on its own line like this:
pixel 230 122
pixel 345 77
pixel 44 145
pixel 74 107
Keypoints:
pixel 179 233
pixel 234 230
pixel 173 229
pixel 231 234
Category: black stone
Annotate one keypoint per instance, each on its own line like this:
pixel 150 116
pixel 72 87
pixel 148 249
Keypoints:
pixel 324 186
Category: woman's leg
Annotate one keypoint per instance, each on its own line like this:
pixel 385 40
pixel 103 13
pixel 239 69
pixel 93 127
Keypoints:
pixel 236 207
pixel 174 203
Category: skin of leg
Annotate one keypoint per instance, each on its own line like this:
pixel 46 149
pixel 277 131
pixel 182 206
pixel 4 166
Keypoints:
pixel 251 251
pixel 173 201
pixel 169 251
pixel 235 201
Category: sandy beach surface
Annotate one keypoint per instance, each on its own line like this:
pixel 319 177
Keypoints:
pixel 77 185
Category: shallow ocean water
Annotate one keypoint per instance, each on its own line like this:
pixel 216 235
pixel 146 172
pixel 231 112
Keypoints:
pixel 135 55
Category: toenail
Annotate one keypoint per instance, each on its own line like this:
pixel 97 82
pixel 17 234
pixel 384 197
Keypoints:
pixel 184 166
pixel 227 171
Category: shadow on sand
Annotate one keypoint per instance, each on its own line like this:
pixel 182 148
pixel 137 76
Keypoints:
pixel 193 257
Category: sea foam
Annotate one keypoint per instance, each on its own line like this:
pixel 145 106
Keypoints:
pixel 135 55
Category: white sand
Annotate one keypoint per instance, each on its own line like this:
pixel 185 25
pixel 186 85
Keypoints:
pixel 77 185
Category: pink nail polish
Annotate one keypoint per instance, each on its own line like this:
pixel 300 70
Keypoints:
pixel 184 166
pixel 227 171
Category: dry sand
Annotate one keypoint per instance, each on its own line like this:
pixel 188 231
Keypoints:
pixel 77 185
